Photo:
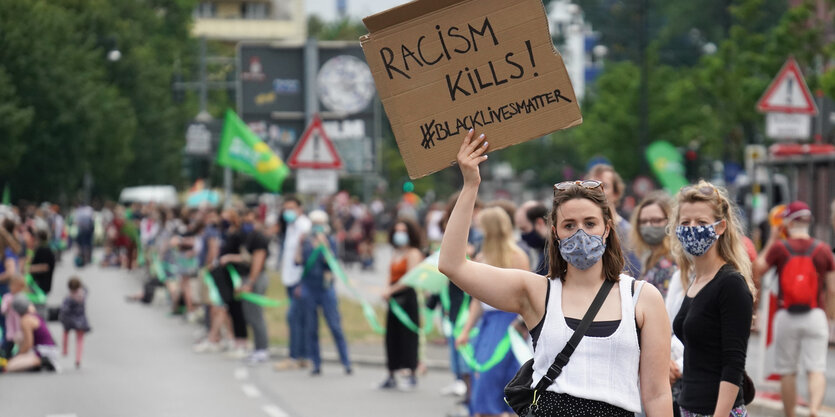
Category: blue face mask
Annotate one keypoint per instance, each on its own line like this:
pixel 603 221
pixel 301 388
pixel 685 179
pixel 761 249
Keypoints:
pixel 400 239
pixel 582 250
pixel 697 240
pixel 318 228
pixel 289 216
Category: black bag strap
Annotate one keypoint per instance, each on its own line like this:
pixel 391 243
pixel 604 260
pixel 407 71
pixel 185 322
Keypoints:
pixel 562 358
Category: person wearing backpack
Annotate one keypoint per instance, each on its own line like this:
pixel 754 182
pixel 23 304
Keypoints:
pixel 806 271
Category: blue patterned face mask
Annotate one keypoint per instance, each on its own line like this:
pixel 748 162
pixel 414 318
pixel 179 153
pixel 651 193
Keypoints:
pixel 697 240
pixel 582 250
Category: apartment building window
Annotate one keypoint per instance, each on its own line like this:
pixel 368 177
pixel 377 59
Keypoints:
pixel 255 10
pixel 205 9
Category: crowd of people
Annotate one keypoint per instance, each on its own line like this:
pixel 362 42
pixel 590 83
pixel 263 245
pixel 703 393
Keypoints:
pixel 31 242
pixel 678 281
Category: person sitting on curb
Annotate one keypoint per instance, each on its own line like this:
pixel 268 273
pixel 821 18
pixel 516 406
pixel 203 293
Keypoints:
pixel 37 350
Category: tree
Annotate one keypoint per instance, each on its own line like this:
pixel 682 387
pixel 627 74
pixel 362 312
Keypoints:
pixel 14 121
pixel 345 28
pixel 710 103
pixel 68 111
pixel 76 114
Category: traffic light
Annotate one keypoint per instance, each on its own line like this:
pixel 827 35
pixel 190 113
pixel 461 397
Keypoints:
pixel 691 163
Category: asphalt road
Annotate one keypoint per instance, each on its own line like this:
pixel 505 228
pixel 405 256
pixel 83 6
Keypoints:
pixel 138 362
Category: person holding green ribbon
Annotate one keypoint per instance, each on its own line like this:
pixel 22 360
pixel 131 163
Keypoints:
pixel 318 291
pixel 495 363
pixel 250 267
pixel 621 366
pixel 402 342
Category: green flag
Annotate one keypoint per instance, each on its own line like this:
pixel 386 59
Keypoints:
pixel 243 151
pixel 7 195
pixel 666 162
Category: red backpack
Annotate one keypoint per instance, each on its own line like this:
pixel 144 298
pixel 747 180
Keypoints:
pixel 799 280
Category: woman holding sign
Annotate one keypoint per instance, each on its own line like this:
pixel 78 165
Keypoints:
pixel 629 340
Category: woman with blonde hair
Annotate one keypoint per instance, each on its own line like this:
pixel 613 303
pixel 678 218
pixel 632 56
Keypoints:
pixel 650 240
pixel 714 320
pixel 498 249
pixel 622 362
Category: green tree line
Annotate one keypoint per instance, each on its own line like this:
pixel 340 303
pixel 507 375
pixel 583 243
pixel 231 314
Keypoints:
pixel 66 110
pixel 696 96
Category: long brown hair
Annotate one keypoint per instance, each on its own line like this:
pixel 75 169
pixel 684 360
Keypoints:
pixel 613 261
pixel 662 200
pixel 729 246
pixel 498 246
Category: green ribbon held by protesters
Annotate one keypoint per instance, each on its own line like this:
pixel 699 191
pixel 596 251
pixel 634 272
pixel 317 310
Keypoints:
pixel 502 348
pixel 159 269
pixel 251 297
pixel 467 351
pixel 214 294
pixel 36 296
pixel 336 269
pixel 367 309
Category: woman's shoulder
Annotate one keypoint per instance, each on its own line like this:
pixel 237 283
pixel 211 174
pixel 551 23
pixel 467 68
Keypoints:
pixel 730 281
pixel 29 322
pixel 729 275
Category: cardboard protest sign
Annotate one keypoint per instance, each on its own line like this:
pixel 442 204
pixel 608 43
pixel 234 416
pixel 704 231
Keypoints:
pixel 444 66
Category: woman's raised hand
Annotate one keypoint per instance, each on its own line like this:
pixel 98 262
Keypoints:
pixel 470 155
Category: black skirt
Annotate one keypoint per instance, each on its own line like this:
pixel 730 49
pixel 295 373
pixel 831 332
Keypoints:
pixel 401 342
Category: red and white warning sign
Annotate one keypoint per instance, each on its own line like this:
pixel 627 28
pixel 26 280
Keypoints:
pixel 788 93
pixel 315 150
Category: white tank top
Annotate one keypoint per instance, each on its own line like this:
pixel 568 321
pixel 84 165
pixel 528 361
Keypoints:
pixel 602 368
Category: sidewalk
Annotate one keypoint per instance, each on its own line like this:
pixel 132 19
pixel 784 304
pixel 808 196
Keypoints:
pixel 768 400
pixel 435 356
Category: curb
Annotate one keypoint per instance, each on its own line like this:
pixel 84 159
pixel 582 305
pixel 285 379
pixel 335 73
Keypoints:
pixel 360 359
pixel 768 407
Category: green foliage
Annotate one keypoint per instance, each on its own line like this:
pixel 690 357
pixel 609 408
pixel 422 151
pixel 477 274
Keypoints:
pixel 14 120
pixel 65 109
pixel 705 99
pixel 345 29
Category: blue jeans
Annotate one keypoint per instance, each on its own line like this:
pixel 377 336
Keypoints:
pixel 85 244
pixel 457 364
pixel 296 322
pixel 326 299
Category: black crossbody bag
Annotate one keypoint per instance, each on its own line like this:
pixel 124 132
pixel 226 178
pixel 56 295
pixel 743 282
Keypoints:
pixel 518 393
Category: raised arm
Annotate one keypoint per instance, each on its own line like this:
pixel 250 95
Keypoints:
pixel 506 289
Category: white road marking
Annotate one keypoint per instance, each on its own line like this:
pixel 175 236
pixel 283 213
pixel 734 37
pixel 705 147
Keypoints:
pixel 251 391
pixel 241 374
pixel 274 411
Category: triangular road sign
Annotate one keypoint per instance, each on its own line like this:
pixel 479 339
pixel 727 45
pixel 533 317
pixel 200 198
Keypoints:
pixel 788 92
pixel 315 150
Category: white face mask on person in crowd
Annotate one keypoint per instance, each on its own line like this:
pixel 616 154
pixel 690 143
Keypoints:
pixel 400 239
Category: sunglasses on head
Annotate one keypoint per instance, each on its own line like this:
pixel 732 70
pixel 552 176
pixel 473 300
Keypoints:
pixel 705 190
pixel 587 184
